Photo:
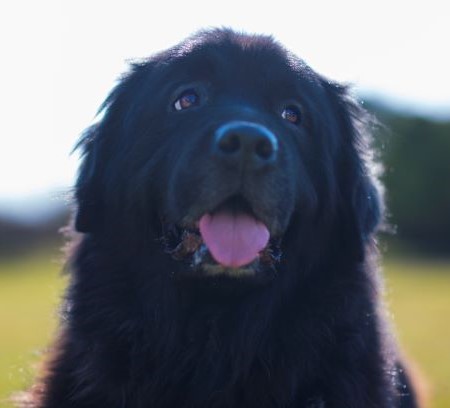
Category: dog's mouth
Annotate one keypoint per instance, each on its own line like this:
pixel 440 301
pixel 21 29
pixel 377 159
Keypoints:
pixel 229 240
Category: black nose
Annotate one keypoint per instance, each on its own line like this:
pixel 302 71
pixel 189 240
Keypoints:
pixel 245 143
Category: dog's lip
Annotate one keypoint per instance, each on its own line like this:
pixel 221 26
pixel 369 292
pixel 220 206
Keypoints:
pixel 191 221
pixel 191 224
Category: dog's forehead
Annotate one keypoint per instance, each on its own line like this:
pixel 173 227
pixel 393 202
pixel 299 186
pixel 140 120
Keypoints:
pixel 251 58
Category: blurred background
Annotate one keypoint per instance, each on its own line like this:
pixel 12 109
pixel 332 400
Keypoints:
pixel 58 61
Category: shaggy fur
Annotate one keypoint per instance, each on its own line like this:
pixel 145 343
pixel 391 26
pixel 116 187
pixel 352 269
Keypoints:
pixel 146 327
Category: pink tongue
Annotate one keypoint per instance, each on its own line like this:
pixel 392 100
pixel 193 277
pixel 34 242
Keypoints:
pixel 233 239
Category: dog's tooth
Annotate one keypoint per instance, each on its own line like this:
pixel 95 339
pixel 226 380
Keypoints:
pixel 199 255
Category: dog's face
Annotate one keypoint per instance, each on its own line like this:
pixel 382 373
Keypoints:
pixel 222 147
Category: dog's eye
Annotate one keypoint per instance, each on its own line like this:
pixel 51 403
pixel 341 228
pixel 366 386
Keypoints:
pixel 186 100
pixel 291 114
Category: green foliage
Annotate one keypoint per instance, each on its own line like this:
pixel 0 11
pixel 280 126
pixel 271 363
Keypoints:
pixel 415 153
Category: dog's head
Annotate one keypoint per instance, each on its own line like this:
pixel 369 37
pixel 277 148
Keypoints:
pixel 229 150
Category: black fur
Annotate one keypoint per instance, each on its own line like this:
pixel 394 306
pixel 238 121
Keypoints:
pixel 142 330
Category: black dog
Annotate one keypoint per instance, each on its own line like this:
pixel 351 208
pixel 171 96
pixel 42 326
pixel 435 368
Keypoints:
pixel 228 212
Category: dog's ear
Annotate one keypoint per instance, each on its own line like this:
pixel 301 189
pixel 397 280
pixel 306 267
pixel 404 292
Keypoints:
pixel 96 145
pixel 88 189
pixel 361 192
pixel 367 204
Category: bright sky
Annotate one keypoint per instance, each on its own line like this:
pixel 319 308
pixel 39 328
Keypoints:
pixel 60 58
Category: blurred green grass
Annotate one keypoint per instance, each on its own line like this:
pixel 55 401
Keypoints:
pixel 30 290
pixel 417 293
